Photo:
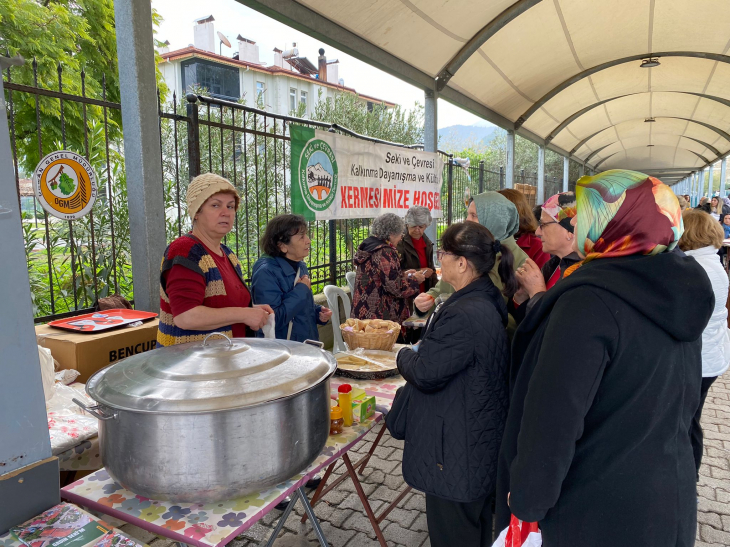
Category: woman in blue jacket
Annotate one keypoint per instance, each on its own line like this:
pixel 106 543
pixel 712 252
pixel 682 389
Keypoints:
pixel 281 280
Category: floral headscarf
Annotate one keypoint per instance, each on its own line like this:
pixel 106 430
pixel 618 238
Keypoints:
pixel 561 208
pixel 624 213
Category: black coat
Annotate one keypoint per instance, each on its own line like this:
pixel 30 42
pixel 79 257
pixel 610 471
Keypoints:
pixel 598 449
pixel 456 413
pixel 409 258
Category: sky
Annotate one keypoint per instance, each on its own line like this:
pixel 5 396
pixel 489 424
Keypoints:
pixel 232 19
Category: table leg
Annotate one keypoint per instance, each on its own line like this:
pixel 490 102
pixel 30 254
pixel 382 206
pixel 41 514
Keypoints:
pixel 313 518
pixel 282 518
pixel 393 505
pixel 366 459
pixel 364 500
pixel 318 492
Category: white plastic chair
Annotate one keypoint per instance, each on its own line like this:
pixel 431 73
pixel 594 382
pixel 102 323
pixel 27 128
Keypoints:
pixel 350 277
pixel 333 294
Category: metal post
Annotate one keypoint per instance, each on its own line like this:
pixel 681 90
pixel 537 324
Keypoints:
pixel 710 173
pixel 481 176
pixel 193 136
pixel 430 144
pixel 510 171
pixel 450 190
pixel 140 117
pixel 28 471
pixel 566 173
pixel 501 177
pixel 723 176
pixel 581 170
pixel 333 252
pixel 540 197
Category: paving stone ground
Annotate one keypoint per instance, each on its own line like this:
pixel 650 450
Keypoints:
pixel 345 524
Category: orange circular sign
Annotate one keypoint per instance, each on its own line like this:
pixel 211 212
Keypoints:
pixel 65 185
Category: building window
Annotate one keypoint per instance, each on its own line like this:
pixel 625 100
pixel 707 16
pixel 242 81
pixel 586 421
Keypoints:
pixel 292 100
pixel 219 80
pixel 259 91
pixel 303 100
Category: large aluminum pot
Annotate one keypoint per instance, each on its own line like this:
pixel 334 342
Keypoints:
pixel 213 420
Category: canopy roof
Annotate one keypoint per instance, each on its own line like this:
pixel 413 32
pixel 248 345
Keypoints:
pixel 565 73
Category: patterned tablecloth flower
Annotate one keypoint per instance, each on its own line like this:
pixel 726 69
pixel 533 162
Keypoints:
pixel 206 525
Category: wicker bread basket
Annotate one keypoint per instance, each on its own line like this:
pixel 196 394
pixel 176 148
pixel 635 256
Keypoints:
pixel 371 340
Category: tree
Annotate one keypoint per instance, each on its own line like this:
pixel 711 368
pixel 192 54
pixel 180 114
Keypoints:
pixel 79 36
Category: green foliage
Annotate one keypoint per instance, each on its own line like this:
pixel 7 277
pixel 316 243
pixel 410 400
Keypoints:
pixel 79 36
pixel 66 184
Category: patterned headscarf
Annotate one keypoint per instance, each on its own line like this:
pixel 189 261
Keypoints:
pixel 561 208
pixel 624 213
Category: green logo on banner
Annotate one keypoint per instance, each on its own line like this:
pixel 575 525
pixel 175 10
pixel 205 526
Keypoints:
pixel 318 175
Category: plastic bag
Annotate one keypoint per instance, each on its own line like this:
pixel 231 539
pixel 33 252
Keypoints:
pixel 519 534
pixel 270 327
pixel 47 372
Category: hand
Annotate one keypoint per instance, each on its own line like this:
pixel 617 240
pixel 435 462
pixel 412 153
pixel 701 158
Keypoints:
pixel 520 296
pixel 409 273
pixel 418 276
pixel 427 272
pixel 305 279
pixel 325 314
pixel 255 317
pixel 530 278
pixel 266 307
pixel 424 302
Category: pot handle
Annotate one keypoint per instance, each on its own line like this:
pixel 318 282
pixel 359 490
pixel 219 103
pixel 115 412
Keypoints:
pixel 230 342
pixel 315 343
pixel 94 411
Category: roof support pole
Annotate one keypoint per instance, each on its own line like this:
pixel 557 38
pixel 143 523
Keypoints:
pixel 25 449
pixel 142 142
pixel 540 198
pixel 566 173
pixel 430 142
pixel 710 173
pixel 582 170
pixel 723 176
pixel 509 177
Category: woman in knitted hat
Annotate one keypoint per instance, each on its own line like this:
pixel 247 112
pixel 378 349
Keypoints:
pixel 605 379
pixel 201 281
pixel 556 233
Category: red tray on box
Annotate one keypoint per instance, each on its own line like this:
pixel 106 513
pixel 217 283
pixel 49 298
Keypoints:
pixel 101 320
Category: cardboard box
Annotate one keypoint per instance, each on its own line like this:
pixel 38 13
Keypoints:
pixel 363 408
pixel 89 353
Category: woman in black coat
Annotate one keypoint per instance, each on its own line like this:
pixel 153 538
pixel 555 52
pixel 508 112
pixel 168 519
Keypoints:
pixel 457 378
pixel 605 379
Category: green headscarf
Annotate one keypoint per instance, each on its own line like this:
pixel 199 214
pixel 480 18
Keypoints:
pixel 497 214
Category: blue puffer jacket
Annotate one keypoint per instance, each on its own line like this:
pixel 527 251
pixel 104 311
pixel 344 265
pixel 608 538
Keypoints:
pixel 273 284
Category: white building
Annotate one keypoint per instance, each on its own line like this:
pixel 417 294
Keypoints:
pixel 291 80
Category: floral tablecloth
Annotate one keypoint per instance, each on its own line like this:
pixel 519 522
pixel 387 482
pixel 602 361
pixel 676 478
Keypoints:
pixel 84 456
pixel 201 525
pixel 383 390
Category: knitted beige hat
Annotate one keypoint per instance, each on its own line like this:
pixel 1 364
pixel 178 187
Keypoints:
pixel 202 187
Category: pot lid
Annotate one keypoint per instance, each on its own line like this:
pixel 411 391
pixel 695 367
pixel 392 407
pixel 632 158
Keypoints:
pixel 216 374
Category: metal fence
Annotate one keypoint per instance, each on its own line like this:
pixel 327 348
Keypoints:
pixel 73 263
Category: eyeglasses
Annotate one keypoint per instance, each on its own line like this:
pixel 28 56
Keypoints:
pixel 440 254
pixel 541 224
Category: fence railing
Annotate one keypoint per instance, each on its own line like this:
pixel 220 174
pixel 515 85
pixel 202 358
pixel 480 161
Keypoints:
pixel 73 263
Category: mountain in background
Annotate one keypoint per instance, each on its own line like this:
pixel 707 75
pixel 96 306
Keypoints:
pixel 458 137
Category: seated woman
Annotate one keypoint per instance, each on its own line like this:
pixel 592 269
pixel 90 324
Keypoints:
pixel 458 399
pixel 526 238
pixel 382 288
pixel 281 280
pixel 201 282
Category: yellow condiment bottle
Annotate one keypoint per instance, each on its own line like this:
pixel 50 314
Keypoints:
pixel 345 401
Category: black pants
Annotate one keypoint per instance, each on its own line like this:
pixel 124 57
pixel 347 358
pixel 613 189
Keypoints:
pixel 696 430
pixel 454 524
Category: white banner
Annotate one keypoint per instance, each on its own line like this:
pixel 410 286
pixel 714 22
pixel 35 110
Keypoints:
pixel 338 177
